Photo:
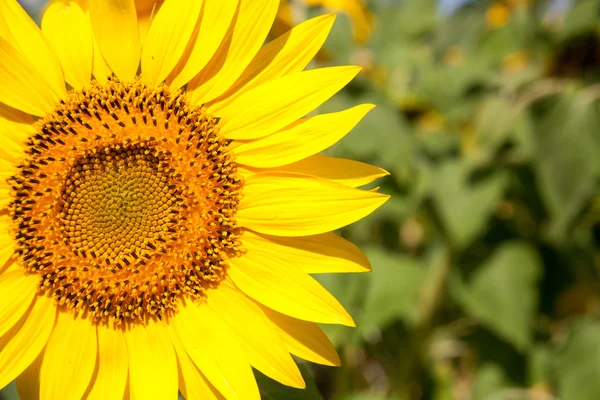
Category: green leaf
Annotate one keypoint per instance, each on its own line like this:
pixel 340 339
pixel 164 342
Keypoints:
pixel 490 379
pixel 502 292
pixel 394 290
pixel 465 207
pixel 9 392
pixel 566 161
pixel 272 390
pixel 577 362
pixel 581 18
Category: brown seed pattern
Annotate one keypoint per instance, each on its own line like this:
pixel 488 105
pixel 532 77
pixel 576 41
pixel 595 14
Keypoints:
pixel 126 202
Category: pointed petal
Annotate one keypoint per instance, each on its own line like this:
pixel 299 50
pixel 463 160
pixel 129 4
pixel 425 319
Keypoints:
pixel 22 86
pixel 100 68
pixel 303 339
pixel 316 254
pixel 346 172
pixel 289 53
pixel 26 37
pixel 192 383
pixel 276 104
pixel 285 204
pixel 262 346
pixel 302 139
pixel 15 127
pixel 110 376
pixel 69 359
pixel 215 20
pixel 168 37
pixel 18 291
pixel 283 287
pixel 115 27
pixel 27 342
pixel 152 374
pixel 68 30
pixel 251 27
pixel 216 351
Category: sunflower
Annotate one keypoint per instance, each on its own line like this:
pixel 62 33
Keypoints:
pixel 163 203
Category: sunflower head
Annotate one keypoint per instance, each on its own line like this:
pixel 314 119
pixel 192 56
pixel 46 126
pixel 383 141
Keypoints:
pixel 162 189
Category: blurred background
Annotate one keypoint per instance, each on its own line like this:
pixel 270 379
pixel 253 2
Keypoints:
pixel 486 269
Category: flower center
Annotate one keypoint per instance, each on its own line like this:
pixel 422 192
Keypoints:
pixel 126 202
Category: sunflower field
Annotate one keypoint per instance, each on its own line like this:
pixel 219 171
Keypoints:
pixel 485 281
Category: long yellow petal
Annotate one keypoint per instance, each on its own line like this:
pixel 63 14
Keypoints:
pixel 68 30
pixel 168 37
pixel 192 383
pixel 251 27
pixel 17 291
pixel 22 86
pixel 15 125
pixel 216 351
pixel 25 36
pixel 100 68
pixel 22 348
pixel 110 376
pixel 152 362
pixel 283 287
pixel 274 105
pixel 289 53
pixel 300 140
pixel 69 358
pixel 115 27
pixel 303 339
pixel 285 204
pixel 347 172
pixel 215 20
pixel 316 254
pixel 261 344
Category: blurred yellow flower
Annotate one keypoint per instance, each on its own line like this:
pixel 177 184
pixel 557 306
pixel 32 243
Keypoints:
pixel 360 16
pixel 163 204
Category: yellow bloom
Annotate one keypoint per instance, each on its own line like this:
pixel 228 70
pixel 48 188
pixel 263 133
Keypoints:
pixel 359 15
pixel 162 202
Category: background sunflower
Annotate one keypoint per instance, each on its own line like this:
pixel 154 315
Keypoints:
pixel 486 269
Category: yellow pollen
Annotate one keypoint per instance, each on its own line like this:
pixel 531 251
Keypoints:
pixel 126 202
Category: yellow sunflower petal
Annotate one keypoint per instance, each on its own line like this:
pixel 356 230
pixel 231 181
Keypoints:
pixel 285 204
pixel 17 291
pixel 26 344
pixel 262 346
pixel 317 254
pixel 214 23
pixel 69 358
pixel 68 30
pixel 110 376
pixel 100 68
pixel 15 125
pixel 274 105
pixel 115 27
pixel 303 339
pixel 347 172
pixel 283 287
pixel 25 36
pixel 237 50
pixel 152 373
pixel 192 383
pixel 216 351
pixel 289 53
pixel 168 37
pixel 22 86
pixel 301 139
